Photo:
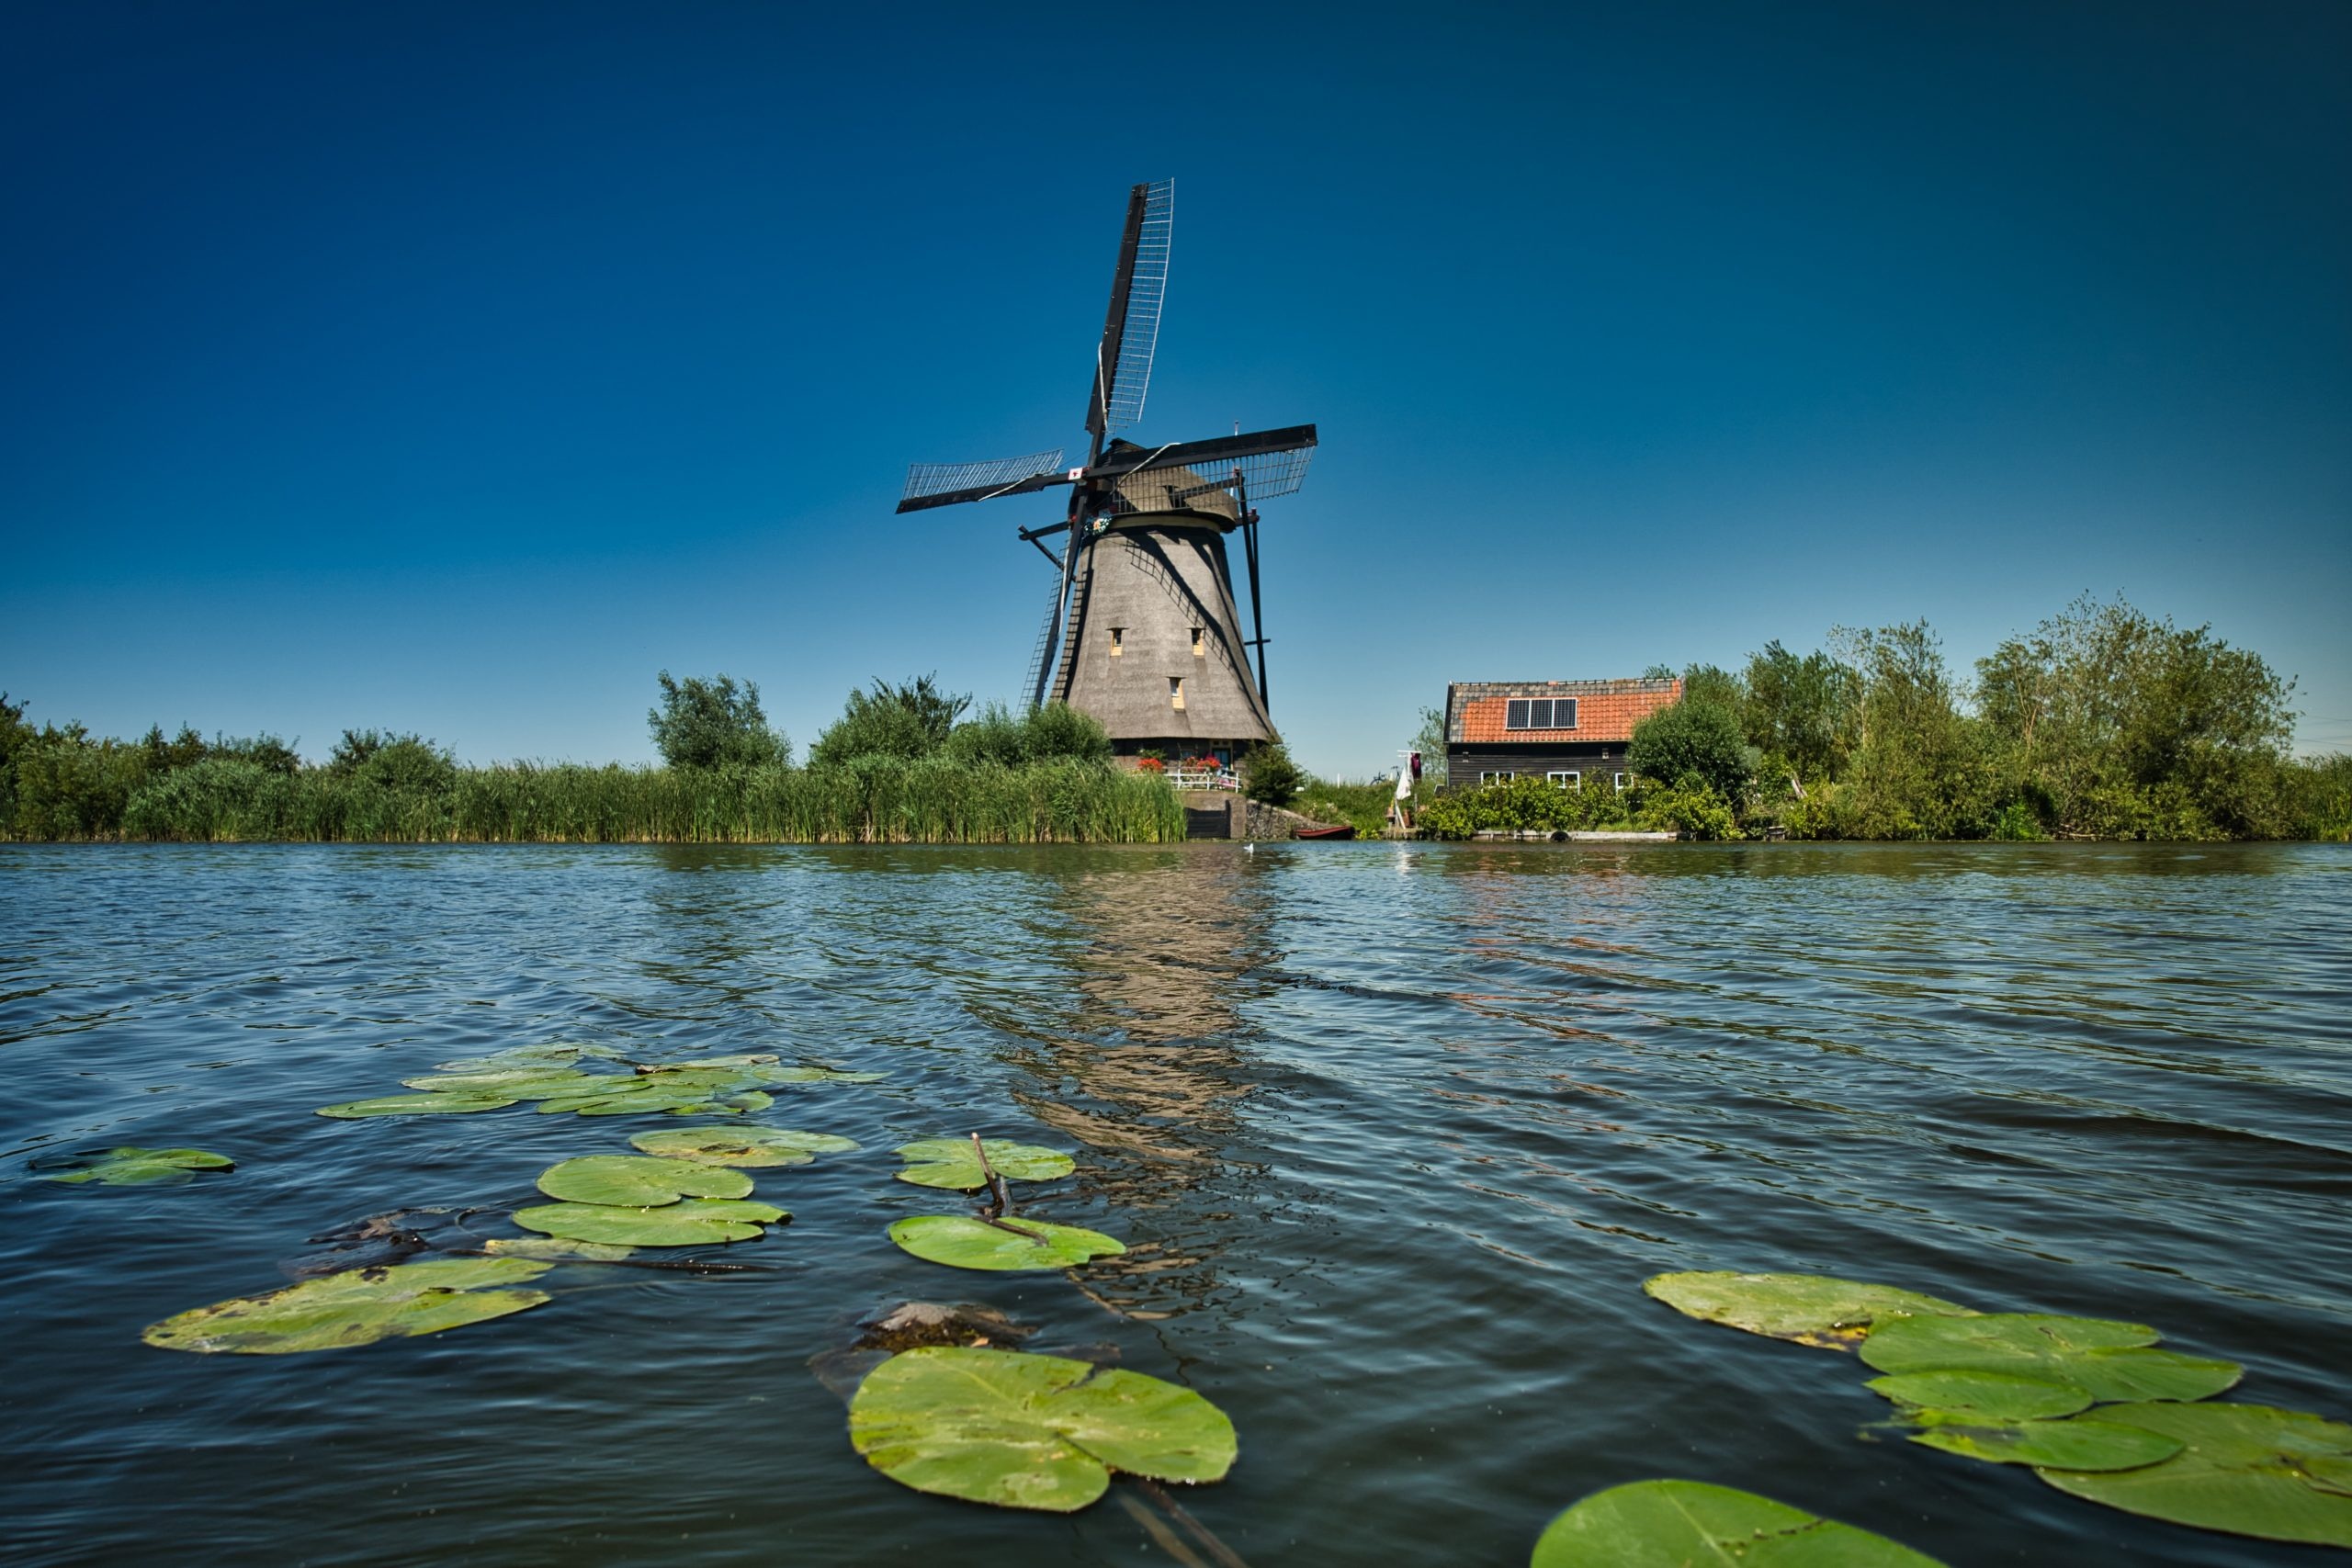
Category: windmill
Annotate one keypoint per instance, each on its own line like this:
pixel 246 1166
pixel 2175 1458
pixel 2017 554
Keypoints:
pixel 1143 631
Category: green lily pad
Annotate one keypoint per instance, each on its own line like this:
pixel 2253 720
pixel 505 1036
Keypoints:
pixel 961 1242
pixel 528 1056
pixel 2108 1360
pixel 692 1222
pixel 2244 1469
pixel 817 1074
pixel 417 1105
pixel 355 1308
pixel 741 1145
pixel 1022 1431
pixel 1992 1396
pixel 950 1163
pixel 520 1083
pixel 1673 1523
pixel 637 1182
pixel 638 1100
pixel 1810 1309
pixel 145 1167
pixel 554 1250
pixel 2087 1444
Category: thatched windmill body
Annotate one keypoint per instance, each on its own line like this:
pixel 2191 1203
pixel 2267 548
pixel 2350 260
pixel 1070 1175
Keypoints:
pixel 1143 631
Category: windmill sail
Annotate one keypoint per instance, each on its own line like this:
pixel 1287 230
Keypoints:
pixel 1131 329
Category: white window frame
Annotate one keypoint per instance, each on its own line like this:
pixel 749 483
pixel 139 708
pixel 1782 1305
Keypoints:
pixel 1619 781
pixel 1566 778
pixel 1496 775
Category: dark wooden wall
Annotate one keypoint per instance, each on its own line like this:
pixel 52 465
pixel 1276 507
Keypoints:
pixel 1597 759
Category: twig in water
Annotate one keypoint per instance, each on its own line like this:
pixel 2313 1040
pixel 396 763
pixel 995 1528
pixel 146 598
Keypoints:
pixel 1226 1556
pixel 1159 1532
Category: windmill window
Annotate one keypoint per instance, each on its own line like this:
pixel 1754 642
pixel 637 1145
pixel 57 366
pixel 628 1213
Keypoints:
pixel 1176 693
pixel 1566 780
pixel 1200 649
pixel 1117 635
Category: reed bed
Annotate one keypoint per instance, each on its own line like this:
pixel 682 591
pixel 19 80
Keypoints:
pixel 869 800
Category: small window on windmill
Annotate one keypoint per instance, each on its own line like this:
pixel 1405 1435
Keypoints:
pixel 1118 637
pixel 1176 693
pixel 1200 649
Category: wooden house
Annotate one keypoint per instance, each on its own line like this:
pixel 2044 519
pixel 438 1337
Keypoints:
pixel 1570 733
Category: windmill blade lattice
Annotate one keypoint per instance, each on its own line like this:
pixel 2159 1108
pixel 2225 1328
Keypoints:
pixel 938 479
pixel 1130 378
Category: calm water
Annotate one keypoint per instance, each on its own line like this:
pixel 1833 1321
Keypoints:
pixel 1396 1134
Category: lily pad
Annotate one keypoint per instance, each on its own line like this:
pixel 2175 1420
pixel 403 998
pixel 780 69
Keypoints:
pixel 2085 1444
pixel 1023 1431
pixel 519 1083
pixel 817 1075
pixel 640 1098
pixel 529 1056
pixel 1671 1523
pixel 950 1163
pixel 961 1242
pixel 1810 1309
pixel 359 1307
pixel 2108 1360
pixel 639 1181
pixel 741 1145
pixel 555 1250
pixel 2244 1469
pixel 692 1222
pixel 417 1105
pixel 145 1167
pixel 1991 1396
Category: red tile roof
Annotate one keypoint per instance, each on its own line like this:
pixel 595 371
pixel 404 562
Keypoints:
pixel 1606 710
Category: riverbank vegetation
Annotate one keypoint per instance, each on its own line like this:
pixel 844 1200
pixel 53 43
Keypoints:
pixel 726 777
pixel 2101 723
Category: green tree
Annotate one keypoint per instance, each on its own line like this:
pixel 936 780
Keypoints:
pixel 1802 713
pixel 1054 730
pixel 908 720
pixel 1431 744
pixel 1268 775
pixel 407 764
pixel 1921 768
pixel 713 723
pixel 1694 741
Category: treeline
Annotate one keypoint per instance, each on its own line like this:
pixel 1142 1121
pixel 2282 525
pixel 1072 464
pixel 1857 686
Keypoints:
pixel 902 765
pixel 2102 723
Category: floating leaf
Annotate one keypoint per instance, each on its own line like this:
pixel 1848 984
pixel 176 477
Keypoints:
pixel 554 1250
pixel 2108 1360
pixel 417 1105
pixel 963 1243
pixel 1667 1524
pixel 741 1145
pixel 520 1083
pixel 693 1222
pixel 638 1100
pixel 949 1162
pixel 639 1181
pixel 734 1104
pixel 359 1307
pixel 1993 1397
pixel 697 1078
pixel 2088 1443
pixel 1812 1308
pixel 2245 1469
pixel 145 1167
pixel 817 1074
pixel 529 1056
pixel 1023 1431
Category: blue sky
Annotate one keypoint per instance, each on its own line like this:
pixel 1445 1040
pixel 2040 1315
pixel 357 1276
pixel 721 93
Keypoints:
pixel 453 367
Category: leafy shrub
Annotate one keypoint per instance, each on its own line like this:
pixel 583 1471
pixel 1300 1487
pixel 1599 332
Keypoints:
pixel 907 721
pixel 1268 775
pixel 713 723
pixel 1695 741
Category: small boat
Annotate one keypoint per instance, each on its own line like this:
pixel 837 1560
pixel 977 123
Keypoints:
pixel 1344 831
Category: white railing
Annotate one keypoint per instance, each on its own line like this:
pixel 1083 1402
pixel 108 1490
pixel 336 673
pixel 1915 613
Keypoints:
pixel 1222 778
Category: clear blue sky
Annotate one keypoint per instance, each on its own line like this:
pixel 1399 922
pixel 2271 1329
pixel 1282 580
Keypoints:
pixel 453 367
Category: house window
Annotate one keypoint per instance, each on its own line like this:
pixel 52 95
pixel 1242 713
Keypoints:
pixel 1539 713
pixel 1118 638
pixel 1200 649
pixel 1176 693
pixel 1569 779
pixel 1499 777
pixel 1620 780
